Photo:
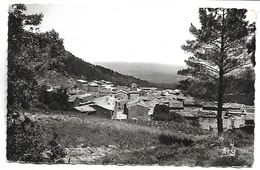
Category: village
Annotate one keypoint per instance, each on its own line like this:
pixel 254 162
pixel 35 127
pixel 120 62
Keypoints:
pixel 132 83
pixel 101 98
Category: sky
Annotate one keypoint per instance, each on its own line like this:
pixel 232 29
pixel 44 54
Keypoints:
pixel 125 32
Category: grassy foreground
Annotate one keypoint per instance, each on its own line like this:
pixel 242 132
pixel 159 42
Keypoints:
pixel 92 140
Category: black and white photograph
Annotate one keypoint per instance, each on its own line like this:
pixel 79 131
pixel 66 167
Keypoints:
pixel 131 83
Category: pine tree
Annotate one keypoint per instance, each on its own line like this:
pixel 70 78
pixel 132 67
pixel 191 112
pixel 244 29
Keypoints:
pixel 218 50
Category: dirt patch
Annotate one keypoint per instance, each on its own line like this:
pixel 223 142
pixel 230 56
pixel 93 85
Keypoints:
pixel 88 155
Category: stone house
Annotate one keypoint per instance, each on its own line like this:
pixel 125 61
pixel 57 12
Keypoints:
pixel 249 119
pixel 85 109
pixel 104 106
pixel 175 105
pixel 103 91
pixel 137 110
pixel 133 95
pixel 192 104
pixel 82 84
pixel 120 110
pixel 133 87
pixel 208 120
pixel 210 106
pixel 75 100
pixel 92 87
pixel 103 112
pixel 121 94
pixel 149 89
pixel 189 114
pixel 142 93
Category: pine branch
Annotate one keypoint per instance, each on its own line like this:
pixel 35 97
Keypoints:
pixel 236 67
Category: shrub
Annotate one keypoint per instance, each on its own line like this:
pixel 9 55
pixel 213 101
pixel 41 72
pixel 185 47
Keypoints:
pixel 41 106
pixel 57 99
pixel 25 144
pixel 54 105
pixel 56 151
pixel 168 140
pixel 195 123
pixel 240 137
pixel 163 116
pixel 177 117
pixel 161 112
pixel 230 161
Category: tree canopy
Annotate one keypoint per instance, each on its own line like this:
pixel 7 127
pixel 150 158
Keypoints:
pixel 219 49
pixel 24 140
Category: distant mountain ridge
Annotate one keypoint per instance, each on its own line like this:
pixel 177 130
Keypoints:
pixel 153 72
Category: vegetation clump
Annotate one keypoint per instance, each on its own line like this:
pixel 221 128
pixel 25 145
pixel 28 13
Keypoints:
pixel 168 140
pixel 24 136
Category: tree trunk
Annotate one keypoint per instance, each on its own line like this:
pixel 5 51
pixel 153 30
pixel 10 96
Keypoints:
pixel 220 96
pixel 220 80
pixel 220 103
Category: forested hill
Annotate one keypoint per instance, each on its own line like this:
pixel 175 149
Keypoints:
pixel 43 53
pixel 78 67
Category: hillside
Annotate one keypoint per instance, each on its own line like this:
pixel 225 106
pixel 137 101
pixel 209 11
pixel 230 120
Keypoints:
pixel 75 66
pixel 49 62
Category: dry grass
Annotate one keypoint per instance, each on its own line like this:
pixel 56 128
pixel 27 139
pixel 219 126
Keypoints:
pixel 92 140
pixel 77 128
